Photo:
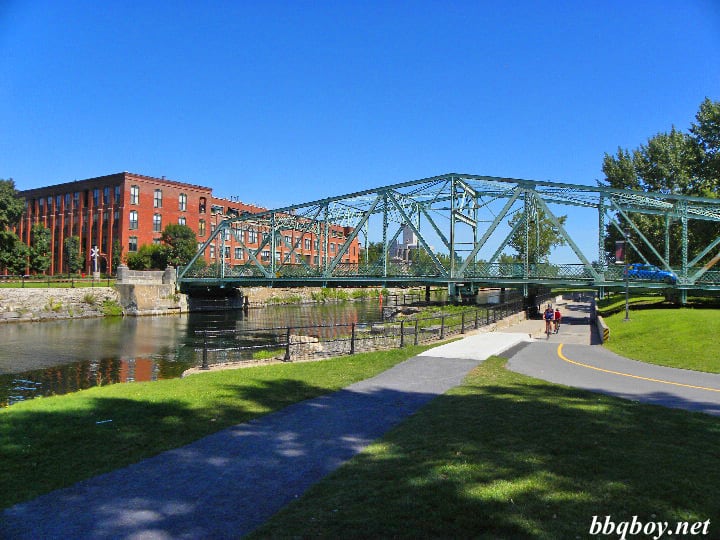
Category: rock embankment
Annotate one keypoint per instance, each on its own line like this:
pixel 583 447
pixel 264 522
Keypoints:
pixel 23 305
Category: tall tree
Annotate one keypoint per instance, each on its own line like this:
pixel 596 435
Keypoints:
pixel 11 205
pixel 73 257
pixel 13 253
pixel 541 236
pixel 40 251
pixel 676 163
pixel 706 133
pixel 180 244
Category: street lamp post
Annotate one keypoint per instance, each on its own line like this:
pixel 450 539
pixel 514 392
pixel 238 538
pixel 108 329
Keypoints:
pixel 626 250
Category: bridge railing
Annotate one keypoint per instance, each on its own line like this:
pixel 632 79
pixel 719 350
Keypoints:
pixel 288 343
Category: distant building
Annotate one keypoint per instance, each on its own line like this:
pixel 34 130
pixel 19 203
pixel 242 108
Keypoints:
pixel 128 210
pixel 402 251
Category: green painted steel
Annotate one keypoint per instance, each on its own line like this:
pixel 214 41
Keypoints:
pixel 460 227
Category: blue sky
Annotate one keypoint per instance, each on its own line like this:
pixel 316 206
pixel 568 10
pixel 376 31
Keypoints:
pixel 282 102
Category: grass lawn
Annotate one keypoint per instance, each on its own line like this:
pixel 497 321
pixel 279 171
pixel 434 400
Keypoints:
pixel 683 338
pixel 47 443
pixel 508 456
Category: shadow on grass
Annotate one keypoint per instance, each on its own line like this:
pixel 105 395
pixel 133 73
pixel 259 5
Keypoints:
pixel 518 458
pixel 60 442
pixel 503 456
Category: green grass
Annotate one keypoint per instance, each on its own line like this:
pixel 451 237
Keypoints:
pixel 616 303
pixel 77 284
pixel 47 443
pixel 508 456
pixel 682 338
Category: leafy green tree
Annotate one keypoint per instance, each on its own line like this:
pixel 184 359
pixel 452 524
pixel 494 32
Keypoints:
pixel 706 134
pixel 40 251
pixel 180 243
pixel 116 254
pixel 73 257
pixel 13 253
pixel 673 163
pixel 148 257
pixel 542 238
pixel 11 205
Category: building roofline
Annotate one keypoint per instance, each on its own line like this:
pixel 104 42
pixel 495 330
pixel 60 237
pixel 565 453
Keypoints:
pixel 120 176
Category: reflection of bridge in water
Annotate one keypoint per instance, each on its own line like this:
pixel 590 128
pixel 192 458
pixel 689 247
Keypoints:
pixel 471 220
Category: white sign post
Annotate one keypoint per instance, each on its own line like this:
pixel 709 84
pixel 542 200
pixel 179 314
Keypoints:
pixel 94 252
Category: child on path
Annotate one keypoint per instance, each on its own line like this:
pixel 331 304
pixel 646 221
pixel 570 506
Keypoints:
pixel 557 318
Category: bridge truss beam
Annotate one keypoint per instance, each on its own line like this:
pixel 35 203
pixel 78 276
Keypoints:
pixel 468 218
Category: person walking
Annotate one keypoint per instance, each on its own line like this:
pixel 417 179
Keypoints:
pixel 556 319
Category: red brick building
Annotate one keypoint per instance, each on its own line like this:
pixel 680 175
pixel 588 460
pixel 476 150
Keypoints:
pixel 130 210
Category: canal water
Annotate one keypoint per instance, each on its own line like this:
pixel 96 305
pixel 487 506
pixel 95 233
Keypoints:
pixel 52 358
pixel 42 359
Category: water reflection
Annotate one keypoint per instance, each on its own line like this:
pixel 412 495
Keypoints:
pixel 42 359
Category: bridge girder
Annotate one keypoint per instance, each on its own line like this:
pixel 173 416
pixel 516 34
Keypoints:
pixel 459 213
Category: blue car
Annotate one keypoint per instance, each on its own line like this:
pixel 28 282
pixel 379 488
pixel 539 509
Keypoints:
pixel 651 273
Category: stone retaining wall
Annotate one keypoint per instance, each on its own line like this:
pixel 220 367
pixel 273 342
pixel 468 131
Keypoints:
pixel 32 304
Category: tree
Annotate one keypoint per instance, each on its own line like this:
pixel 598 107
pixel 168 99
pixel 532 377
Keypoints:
pixel 706 134
pixel 541 236
pixel 148 257
pixel 11 206
pixel 116 254
pixel 180 243
pixel 673 163
pixel 73 257
pixel 40 253
pixel 13 253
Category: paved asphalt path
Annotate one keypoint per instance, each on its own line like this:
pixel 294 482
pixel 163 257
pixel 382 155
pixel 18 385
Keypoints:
pixel 227 484
pixel 567 358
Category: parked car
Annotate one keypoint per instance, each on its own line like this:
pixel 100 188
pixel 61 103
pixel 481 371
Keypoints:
pixel 651 273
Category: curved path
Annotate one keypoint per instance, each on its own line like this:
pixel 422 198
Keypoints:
pixel 227 484
pixel 568 358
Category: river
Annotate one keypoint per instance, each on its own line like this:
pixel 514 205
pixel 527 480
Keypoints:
pixel 41 359
pixel 52 358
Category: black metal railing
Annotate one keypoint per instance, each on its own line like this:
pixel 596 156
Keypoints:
pixel 288 343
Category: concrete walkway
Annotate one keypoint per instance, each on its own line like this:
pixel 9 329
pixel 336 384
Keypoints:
pixel 227 484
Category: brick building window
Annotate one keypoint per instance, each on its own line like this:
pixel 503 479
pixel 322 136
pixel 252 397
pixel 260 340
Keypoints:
pixel 182 202
pixel 252 236
pixel 157 223
pixel 96 196
pixel 238 253
pixel 157 199
pixel 132 243
pixel 181 220
pixel 76 199
pixel 117 194
pixel 134 194
pixel 227 252
pixel 212 251
pixel 133 219
pixel 307 243
pixel 106 195
pixel 201 227
pixel 203 205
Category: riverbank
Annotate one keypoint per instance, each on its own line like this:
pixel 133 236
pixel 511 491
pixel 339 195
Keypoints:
pixel 34 305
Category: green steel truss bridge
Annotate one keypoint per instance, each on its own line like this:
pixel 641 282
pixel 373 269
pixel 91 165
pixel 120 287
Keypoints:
pixel 474 218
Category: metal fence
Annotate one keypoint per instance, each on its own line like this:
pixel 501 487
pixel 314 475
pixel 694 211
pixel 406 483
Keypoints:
pixel 54 281
pixel 323 341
